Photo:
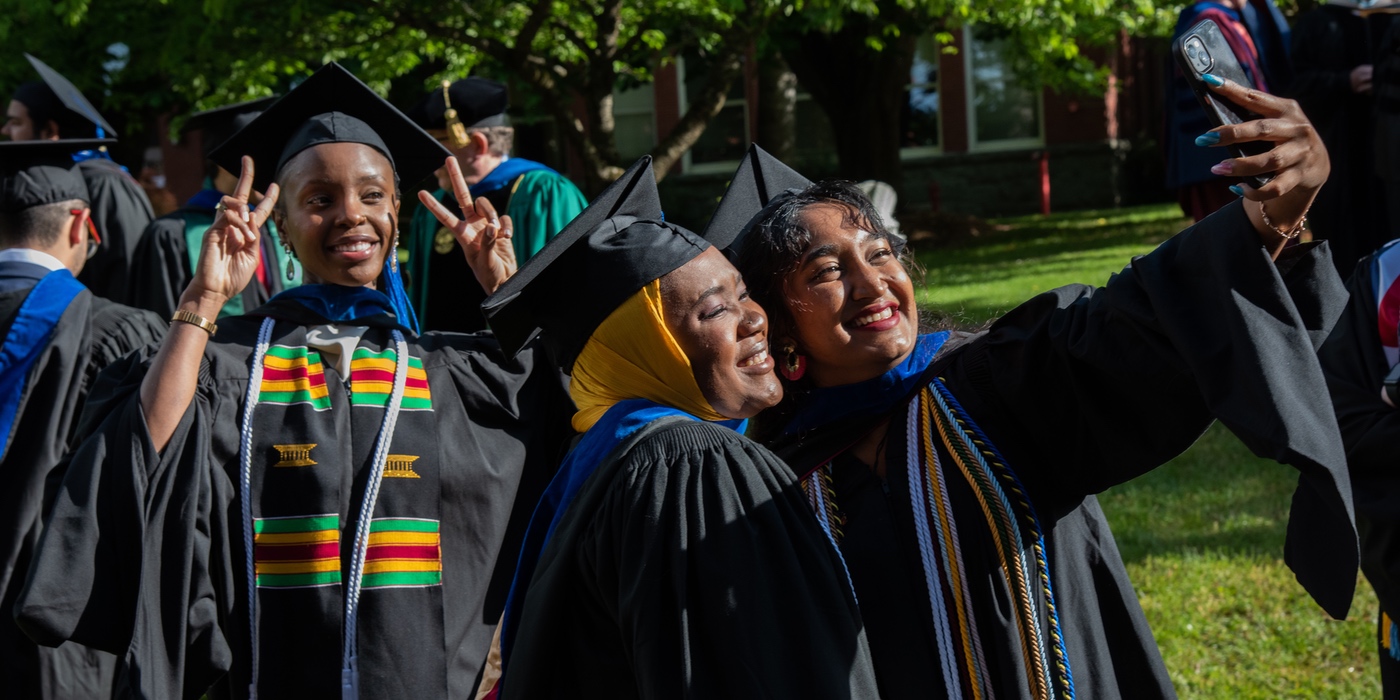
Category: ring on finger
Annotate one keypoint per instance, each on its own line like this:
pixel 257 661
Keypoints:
pixel 220 207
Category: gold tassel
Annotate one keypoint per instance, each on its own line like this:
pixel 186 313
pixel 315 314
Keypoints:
pixel 455 128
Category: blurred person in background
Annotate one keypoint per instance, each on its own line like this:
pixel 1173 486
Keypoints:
pixel 1332 62
pixel 468 117
pixel 1258 33
pixel 52 109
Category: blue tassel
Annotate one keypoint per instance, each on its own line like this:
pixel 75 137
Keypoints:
pixel 1394 641
pixel 398 297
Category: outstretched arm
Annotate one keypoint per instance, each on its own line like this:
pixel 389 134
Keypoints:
pixel 227 262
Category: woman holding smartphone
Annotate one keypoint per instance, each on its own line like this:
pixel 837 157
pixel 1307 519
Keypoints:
pixel 957 470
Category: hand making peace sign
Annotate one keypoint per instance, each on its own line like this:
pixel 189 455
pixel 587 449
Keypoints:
pixel 229 256
pixel 485 237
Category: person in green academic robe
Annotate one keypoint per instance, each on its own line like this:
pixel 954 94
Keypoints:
pixel 469 118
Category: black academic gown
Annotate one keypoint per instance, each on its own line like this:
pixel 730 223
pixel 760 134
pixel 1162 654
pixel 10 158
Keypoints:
pixel 1355 364
pixel 120 211
pixel 689 566
pixel 145 555
pixel 160 266
pixel 1083 388
pixel 1328 43
pixel 91 334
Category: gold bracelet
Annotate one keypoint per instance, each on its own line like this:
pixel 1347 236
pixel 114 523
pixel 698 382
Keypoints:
pixel 195 319
pixel 1286 235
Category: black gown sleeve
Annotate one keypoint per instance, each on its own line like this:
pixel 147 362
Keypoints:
pixel 120 211
pixel 1355 365
pixel 724 585
pixel 132 559
pixel 1086 388
pixel 160 267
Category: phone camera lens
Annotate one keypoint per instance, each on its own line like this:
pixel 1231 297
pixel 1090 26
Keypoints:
pixel 1197 54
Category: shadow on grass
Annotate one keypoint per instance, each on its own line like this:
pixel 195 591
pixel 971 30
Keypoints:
pixel 1215 497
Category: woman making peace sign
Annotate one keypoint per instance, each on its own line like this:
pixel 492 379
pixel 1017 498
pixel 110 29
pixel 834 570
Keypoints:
pixel 313 498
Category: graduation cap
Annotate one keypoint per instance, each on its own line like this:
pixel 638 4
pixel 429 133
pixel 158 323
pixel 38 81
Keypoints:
pixel 32 96
pixel 34 173
pixel 477 102
pixel 616 246
pixel 332 106
pixel 221 123
pixel 760 181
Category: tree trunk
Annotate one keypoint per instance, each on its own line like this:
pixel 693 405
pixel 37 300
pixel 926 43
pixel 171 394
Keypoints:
pixel 692 124
pixel 777 107
pixel 861 90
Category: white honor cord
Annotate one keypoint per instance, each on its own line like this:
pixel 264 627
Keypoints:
pixel 349 671
pixel 245 493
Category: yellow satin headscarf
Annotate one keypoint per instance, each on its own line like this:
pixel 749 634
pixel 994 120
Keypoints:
pixel 632 355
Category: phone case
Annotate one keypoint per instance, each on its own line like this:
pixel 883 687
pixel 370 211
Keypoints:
pixel 1203 49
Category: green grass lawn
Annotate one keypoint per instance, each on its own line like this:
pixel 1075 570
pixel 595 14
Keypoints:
pixel 1203 535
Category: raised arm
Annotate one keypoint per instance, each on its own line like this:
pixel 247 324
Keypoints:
pixel 485 237
pixel 227 261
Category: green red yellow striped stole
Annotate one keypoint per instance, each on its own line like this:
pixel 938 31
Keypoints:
pixel 403 552
pixel 293 375
pixel 297 552
pixel 372 380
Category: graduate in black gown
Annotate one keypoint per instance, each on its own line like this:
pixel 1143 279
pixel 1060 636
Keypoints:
pixel 671 557
pixel 1360 361
pixel 308 500
pixel 53 109
pixel 954 468
pixel 164 260
pixel 57 337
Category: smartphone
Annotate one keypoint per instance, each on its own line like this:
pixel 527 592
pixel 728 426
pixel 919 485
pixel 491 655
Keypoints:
pixel 1203 49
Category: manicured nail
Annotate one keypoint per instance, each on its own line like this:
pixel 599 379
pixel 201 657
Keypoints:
pixel 1224 167
pixel 1212 80
pixel 1239 191
pixel 1210 138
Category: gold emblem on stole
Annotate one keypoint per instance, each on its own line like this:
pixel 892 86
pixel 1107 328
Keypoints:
pixel 442 242
pixel 294 455
pixel 400 467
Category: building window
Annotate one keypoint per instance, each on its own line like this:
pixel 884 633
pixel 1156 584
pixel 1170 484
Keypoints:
pixel 1002 113
pixel 723 143
pixel 634 114
pixel 919 120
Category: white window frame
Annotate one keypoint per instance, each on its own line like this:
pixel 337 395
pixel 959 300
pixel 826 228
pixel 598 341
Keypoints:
pixel 973 144
pixel 723 166
pixel 636 111
pixel 914 152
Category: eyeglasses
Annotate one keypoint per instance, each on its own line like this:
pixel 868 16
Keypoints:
pixel 94 240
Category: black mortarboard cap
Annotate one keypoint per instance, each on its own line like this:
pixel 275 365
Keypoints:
pixel 33 173
pixel 613 249
pixel 70 96
pixel 759 181
pixel 479 103
pixel 218 124
pixel 332 106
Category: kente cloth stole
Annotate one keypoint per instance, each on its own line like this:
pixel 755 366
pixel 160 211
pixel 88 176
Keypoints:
pixel 316 471
pixel 933 419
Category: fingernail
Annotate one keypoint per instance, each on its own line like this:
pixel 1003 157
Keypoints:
pixel 1210 138
pixel 1224 167
pixel 1239 191
pixel 1212 80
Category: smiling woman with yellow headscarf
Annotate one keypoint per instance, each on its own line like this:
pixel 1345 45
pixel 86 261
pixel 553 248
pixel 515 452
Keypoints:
pixel 671 556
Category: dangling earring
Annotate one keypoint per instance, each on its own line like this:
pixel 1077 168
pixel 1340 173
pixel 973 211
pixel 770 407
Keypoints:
pixel 291 255
pixel 394 253
pixel 794 365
